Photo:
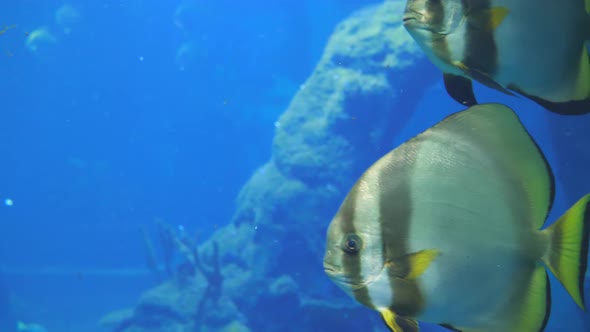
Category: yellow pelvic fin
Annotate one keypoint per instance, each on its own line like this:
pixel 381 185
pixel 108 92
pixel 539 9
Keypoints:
pixel 412 266
pixel 461 65
pixel 489 19
pixel 568 249
pixel 398 323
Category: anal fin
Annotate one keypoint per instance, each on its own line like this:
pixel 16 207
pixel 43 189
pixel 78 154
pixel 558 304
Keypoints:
pixel 580 97
pixel 397 323
pixel 529 305
pixel 536 303
pixel 526 309
pixel 572 107
pixel 450 327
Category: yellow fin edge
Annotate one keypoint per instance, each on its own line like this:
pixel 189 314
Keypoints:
pixel 568 250
pixel 536 304
pixel 498 14
pixel 583 81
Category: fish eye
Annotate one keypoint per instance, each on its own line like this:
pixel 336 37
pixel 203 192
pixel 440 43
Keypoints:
pixel 352 243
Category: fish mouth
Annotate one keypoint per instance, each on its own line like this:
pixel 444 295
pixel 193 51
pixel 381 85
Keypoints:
pixel 408 18
pixel 335 273
pixel 347 283
pixel 331 270
pixel 414 19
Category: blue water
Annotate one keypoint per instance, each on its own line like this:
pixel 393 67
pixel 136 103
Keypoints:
pixel 127 112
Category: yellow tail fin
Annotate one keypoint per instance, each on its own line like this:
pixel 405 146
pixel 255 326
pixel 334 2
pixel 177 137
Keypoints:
pixel 568 252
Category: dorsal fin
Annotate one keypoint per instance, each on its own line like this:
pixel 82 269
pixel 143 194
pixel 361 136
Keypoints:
pixel 516 151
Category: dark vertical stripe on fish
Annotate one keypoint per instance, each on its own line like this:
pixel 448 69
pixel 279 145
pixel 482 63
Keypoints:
pixel 395 217
pixel 481 53
pixel 351 263
pixel 437 14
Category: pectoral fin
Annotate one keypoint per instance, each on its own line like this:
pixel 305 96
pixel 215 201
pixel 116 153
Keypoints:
pixel 489 18
pixel 412 266
pixel 397 323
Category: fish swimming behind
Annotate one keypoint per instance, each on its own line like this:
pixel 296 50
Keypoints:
pixel 446 229
pixel 535 48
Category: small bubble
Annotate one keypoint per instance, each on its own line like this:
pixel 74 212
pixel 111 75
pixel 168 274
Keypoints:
pixel 8 202
pixel 141 58
pixel 256 227
pixel 277 124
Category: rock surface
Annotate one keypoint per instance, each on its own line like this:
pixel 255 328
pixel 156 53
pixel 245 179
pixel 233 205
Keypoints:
pixel 364 89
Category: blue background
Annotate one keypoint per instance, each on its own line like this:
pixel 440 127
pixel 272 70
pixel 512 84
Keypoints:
pixel 142 111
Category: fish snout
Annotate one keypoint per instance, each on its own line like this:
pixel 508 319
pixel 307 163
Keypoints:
pixel 415 13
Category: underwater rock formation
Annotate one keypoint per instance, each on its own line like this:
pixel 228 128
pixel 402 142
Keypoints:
pixel 343 118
